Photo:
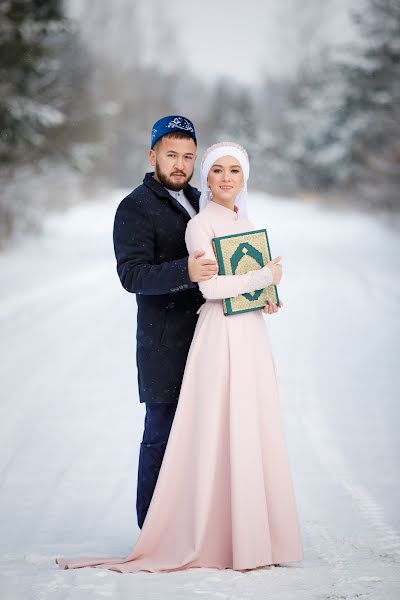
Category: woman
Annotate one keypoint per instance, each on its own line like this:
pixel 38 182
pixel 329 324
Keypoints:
pixel 224 495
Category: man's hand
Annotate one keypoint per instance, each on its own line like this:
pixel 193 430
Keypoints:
pixel 201 270
pixel 271 307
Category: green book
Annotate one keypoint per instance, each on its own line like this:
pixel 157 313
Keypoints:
pixel 237 254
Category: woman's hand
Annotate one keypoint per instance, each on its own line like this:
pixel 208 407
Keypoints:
pixel 271 307
pixel 276 268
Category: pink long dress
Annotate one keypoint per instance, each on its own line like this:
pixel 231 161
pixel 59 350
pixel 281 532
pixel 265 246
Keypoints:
pixel 224 496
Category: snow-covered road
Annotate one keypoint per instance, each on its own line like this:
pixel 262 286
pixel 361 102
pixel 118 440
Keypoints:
pixel 71 421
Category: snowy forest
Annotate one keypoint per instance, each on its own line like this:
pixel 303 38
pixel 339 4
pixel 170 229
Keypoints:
pixel 311 89
pixel 76 111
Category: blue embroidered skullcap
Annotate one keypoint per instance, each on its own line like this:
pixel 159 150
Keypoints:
pixel 170 124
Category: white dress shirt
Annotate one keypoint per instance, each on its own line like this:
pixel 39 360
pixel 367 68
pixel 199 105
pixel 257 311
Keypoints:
pixel 180 196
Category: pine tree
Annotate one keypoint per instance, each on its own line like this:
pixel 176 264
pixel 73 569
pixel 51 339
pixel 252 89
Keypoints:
pixel 321 146
pixel 27 72
pixel 372 105
pixel 346 115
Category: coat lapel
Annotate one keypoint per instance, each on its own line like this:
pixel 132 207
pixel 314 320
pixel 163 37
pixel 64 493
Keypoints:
pixel 193 195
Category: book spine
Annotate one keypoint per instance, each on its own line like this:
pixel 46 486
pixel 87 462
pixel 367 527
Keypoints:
pixel 221 268
pixel 218 255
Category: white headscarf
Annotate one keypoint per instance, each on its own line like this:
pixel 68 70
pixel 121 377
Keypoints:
pixel 210 156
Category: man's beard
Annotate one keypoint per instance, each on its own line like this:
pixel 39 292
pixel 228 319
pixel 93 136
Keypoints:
pixel 168 183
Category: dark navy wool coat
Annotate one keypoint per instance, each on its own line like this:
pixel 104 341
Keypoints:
pixel 152 262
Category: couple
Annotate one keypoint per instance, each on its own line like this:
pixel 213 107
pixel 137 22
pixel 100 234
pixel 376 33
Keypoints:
pixel 219 494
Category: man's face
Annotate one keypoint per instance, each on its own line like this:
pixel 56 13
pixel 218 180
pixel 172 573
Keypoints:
pixel 173 161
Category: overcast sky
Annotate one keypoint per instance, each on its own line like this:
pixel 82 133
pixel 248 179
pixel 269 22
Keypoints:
pixel 242 39
pixel 214 38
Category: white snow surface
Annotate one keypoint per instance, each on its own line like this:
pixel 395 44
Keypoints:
pixel 71 422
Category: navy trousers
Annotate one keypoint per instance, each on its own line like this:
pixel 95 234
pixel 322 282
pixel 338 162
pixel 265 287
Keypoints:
pixel 157 426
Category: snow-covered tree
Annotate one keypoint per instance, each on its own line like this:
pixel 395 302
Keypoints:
pixel 320 148
pixel 371 107
pixel 232 114
pixel 346 110
pixel 28 70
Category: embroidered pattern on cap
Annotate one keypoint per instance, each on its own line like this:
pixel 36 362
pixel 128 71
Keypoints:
pixel 180 123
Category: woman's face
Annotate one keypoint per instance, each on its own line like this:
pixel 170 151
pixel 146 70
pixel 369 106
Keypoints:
pixel 225 178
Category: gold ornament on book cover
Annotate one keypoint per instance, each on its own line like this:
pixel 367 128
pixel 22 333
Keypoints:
pixel 237 254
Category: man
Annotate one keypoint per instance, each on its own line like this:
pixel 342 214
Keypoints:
pixel 153 263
